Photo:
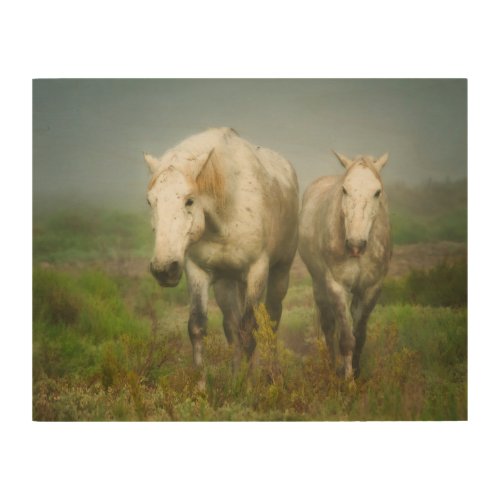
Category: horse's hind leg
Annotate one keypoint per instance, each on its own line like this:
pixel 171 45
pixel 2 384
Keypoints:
pixel 255 285
pixel 228 295
pixel 277 286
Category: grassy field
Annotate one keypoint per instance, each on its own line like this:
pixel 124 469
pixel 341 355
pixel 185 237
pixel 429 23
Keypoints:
pixel 429 212
pixel 110 344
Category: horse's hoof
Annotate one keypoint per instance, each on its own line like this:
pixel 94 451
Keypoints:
pixel 201 385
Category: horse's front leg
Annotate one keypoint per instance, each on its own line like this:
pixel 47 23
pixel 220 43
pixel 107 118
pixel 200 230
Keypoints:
pixel 361 310
pixel 198 284
pixel 255 286
pixel 228 295
pixel 341 300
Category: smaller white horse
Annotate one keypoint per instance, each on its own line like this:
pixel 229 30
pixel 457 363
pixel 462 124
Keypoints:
pixel 345 242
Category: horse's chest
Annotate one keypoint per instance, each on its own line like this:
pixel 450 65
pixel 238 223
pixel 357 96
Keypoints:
pixel 221 259
pixel 355 274
pixel 349 273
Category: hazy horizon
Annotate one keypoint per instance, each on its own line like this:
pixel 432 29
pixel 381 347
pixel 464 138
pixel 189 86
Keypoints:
pixel 89 135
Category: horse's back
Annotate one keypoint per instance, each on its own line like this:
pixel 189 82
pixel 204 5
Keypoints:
pixel 207 140
pixel 316 191
pixel 261 177
pixel 279 168
pixel 316 201
pixel 262 194
pixel 240 158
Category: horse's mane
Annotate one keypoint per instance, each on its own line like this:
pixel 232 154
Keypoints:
pixel 211 181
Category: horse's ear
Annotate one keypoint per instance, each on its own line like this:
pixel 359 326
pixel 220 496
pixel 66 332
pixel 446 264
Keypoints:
pixel 151 162
pixel 379 164
pixel 201 163
pixel 344 161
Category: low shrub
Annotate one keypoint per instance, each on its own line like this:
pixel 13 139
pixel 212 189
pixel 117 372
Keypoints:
pixel 442 286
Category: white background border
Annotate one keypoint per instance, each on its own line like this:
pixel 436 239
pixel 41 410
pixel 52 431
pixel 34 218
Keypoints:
pixel 257 39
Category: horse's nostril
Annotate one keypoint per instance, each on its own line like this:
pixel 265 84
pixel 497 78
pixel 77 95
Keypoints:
pixel 356 247
pixel 157 270
pixel 174 267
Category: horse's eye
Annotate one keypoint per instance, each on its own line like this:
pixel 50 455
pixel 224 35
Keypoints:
pixel 344 190
pixel 189 202
pixel 377 194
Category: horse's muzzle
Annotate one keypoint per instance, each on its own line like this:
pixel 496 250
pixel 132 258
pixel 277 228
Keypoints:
pixel 356 248
pixel 167 275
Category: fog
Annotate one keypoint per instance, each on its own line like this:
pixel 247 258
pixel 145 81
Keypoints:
pixel 89 135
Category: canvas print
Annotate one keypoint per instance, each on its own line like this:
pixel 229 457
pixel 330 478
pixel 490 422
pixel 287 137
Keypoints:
pixel 249 250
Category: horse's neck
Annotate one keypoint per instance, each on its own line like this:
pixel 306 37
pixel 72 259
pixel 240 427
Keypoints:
pixel 214 221
pixel 381 229
pixel 334 221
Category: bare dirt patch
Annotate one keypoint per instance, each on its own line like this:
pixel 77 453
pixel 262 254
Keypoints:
pixel 425 256
pixel 405 258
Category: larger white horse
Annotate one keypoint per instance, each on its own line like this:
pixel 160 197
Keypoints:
pixel 345 243
pixel 226 212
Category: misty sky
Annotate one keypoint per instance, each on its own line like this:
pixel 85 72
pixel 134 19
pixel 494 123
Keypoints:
pixel 89 135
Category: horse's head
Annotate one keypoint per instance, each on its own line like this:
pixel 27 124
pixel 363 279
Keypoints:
pixel 361 194
pixel 177 213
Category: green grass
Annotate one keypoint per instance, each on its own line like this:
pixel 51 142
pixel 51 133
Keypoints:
pixel 98 355
pixel 410 228
pixel 429 212
pixel 113 345
pixel 87 234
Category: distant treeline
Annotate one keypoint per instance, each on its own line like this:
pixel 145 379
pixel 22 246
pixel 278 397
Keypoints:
pixel 432 211
pixel 429 212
